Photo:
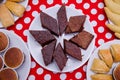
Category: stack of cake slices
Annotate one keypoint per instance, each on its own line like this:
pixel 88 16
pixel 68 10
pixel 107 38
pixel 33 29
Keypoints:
pixel 51 50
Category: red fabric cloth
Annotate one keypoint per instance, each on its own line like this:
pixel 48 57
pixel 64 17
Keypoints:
pixel 92 8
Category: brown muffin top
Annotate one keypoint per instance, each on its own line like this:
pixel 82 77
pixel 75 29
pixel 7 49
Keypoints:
pixel 8 74
pixel 3 41
pixel 13 57
pixel 1 62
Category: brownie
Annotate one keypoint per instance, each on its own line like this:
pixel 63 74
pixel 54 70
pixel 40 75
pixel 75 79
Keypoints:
pixel 72 49
pixel 42 37
pixel 47 52
pixel 62 19
pixel 60 57
pixel 83 39
pixel 67 30
pixel 49 23
pixel 76 23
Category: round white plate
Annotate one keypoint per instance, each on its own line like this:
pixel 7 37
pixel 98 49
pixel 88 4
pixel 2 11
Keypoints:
pixel 24 3
pixel 95 55
pixel 16 41
pixel 35 48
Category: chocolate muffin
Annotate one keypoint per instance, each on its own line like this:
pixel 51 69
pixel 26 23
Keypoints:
pixel 60 57
pixel 62 19
pixel 13 57
pixel 8 74
pixel 72 49
pixel 76 23
pixel 49 23
pixel 47 52
pixel 42 37
pixel 1 63
pixel 4 41
pixel 83 39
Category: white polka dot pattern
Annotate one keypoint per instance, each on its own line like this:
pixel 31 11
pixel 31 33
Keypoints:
pixel 94 23
pixel 33 64
pixel 42 7
pixel 93 11
pixel 28 8
pixel 108 35
pixel 27 20
pixel 35 2
pixel 101 29
pixel 100 41
pixel 19 26
pixel 49 1
pixel 78 75
pixel 47 77
pixel 79 1
pixel 63 76
pixel 65 1
pixel 40 71
pixel 101 17
pixel 86 5
pixel 31 77
pixel 34 13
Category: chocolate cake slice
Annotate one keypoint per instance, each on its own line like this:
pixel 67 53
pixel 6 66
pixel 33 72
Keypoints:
pixel 83 39
pixel 72 49
pixel 76 23
pixel 47 52
pixel 42 37
pixel 60 57
pixel 67 30
pixel 49 23
pixel 62 19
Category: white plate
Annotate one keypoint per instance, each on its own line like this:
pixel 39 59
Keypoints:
pixel 16 41
pixel 24 3
pixel 95 55
pixel 35 48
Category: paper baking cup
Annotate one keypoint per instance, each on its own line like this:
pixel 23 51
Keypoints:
pixel 11 53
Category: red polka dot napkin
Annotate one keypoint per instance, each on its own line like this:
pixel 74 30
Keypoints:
pixel 92 8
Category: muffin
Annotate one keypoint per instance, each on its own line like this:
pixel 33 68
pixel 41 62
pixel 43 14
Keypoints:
pixel 1 63
pixel 8 74
pixel 13 57
pixel 4 42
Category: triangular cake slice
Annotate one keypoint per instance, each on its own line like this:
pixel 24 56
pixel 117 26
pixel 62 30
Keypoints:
pixel 42 37
pixel 47 52
pixel 15 8
pixel 76 23
pixel 62 19
pixel 83 39
pixel 72 49
pixel 49 23
pixel 60 57
pixel 67 30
